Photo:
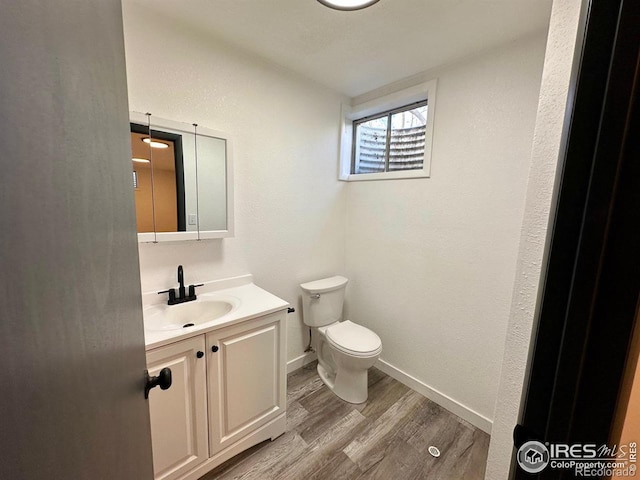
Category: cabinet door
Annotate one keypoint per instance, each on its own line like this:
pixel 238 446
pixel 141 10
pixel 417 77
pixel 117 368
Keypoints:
pixel 246 378
pixel 179 414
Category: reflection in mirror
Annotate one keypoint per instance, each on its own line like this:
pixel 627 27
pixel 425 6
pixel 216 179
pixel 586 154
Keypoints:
pixel 162 157
pixel 182 181
pixel 211 187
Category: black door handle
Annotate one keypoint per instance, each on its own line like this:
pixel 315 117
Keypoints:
pixel 163 380
pixel 214 349
pixel 200 354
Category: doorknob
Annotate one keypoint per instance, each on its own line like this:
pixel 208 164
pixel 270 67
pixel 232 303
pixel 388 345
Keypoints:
pixel 163 380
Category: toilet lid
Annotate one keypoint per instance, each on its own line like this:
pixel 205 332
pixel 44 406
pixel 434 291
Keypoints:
pixel 353 338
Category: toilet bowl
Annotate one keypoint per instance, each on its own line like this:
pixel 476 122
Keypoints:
pixel 345 349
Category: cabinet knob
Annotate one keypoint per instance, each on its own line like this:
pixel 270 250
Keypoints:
pixel 200 354
pixel 163 380
pixel 214 349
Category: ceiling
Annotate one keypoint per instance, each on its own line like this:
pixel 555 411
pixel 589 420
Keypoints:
pixel 358 51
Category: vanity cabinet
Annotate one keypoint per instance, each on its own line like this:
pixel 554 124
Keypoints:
pixel 179 435
pixel 228 393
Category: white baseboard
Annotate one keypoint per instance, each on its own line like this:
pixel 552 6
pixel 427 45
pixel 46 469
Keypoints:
pixel 301 361
pixel 455 407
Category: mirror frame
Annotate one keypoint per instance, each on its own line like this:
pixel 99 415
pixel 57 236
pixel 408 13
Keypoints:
pixel 155 237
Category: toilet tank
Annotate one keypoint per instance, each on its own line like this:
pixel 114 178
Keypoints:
pixel 322 301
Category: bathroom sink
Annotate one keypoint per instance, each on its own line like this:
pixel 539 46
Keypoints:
pixel 186 315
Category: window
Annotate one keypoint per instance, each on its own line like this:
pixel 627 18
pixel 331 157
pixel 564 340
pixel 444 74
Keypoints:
pixel 389 137
pixel 390 141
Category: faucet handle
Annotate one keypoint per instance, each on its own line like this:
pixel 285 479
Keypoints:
pixel 192 289
pixel 172 295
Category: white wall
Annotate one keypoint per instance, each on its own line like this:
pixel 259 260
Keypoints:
pixel 432 261
pixel 289 206
pixel 547 149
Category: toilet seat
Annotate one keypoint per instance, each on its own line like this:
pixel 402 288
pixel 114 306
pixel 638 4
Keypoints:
pixel 353 339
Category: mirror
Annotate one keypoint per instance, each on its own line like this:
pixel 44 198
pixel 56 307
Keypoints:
pixel 182 180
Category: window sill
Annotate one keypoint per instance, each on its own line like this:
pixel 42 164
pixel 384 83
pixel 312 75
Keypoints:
pixel 361 177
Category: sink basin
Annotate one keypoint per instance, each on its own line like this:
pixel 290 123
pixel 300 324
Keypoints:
pixel 189 314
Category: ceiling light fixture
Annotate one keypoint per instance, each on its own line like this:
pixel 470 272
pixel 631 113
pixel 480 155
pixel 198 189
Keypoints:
pixel 155 143
pixel 141 160
pixel 348 4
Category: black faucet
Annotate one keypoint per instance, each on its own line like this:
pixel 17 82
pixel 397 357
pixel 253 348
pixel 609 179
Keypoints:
pixel 182 294
pixel 181 291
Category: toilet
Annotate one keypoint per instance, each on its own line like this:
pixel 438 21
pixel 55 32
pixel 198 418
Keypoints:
pixel 345 349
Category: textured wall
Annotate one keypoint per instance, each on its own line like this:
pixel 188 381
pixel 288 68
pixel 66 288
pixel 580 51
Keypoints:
pixel 432 261
pixel 289 205
pixel 546 149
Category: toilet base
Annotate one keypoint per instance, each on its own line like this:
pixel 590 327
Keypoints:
pixel 350 385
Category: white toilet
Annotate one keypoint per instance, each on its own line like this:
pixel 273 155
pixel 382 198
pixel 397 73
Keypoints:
pixel 345 349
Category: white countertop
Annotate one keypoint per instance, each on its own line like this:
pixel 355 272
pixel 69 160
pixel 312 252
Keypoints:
pixel 253 302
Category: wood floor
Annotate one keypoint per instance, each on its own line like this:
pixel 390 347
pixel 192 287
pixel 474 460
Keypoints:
pixel 385 438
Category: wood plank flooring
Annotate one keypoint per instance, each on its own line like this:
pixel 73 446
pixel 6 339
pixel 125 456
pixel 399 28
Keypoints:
pixel 385 438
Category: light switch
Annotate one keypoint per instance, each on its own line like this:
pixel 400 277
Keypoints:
pixel 193 219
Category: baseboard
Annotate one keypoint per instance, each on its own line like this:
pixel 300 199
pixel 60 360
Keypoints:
pixel 455 407
pixel 301 361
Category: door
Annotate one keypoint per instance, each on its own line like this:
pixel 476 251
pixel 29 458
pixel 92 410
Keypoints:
pixel 246 378
pixel 71 333
pixel 592 286
pixel 179 415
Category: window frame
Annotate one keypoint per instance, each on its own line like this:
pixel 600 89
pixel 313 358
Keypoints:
pixel 376 108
